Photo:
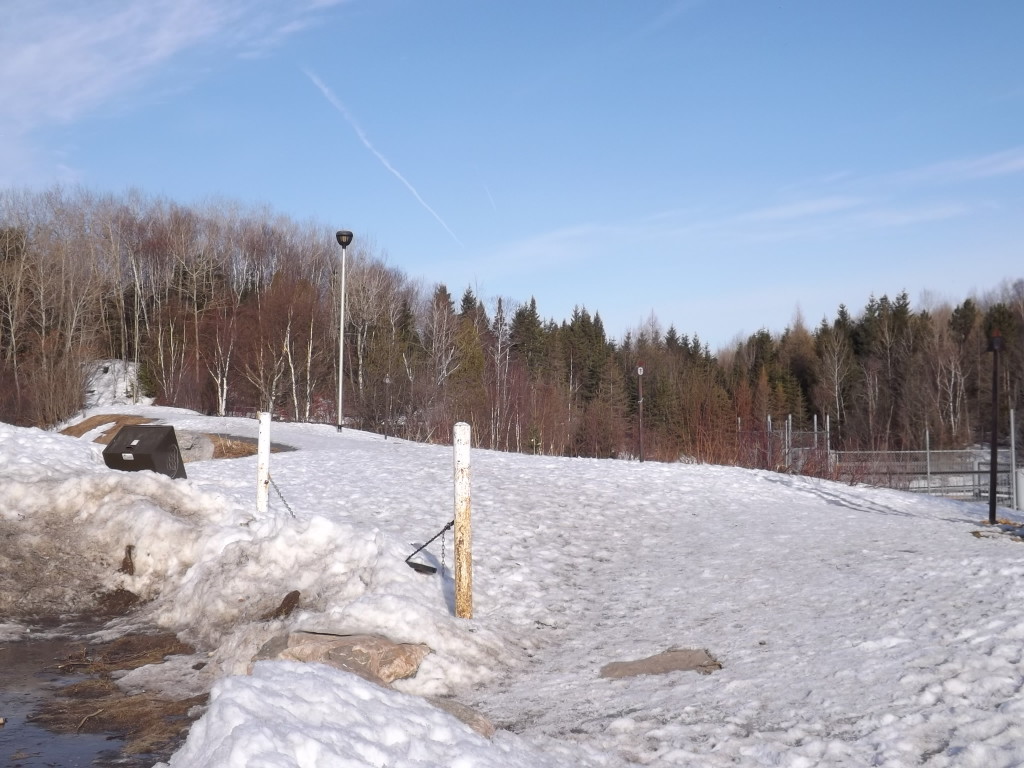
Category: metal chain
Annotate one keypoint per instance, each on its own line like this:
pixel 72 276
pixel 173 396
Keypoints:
pixel 281 496
pixel 432 539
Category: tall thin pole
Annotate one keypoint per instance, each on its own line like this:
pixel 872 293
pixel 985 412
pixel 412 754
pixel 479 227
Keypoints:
pixel 344 240
pixel 640 403
pixel 341 342
pixel 994 345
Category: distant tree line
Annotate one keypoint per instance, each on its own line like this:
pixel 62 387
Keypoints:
pixel 228 309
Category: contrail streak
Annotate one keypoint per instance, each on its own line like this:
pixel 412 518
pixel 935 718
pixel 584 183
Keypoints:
pixel 336 103
pixel 490 197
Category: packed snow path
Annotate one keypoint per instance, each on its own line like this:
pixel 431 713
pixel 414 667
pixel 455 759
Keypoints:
pixel 855 627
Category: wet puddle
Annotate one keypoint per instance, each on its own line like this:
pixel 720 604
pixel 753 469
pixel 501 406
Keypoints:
pixel 29 678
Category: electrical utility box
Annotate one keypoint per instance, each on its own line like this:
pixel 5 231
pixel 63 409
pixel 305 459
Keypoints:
pixel 145 446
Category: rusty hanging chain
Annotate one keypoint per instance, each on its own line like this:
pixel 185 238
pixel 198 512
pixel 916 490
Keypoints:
pixel 281 496
pixel 433 538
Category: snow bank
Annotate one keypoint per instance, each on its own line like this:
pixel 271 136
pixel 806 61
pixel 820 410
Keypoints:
pixel 207 568
pixel 66 522
pixel 292 715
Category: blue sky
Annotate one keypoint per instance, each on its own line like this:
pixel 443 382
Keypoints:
pixel 721 164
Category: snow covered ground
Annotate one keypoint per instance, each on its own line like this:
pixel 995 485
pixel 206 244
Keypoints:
pixel 854 626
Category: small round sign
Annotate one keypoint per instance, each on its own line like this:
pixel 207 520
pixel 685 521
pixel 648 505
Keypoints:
pixel 640 371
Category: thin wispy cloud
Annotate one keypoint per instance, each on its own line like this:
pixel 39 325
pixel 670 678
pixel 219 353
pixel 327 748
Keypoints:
pixel 487 190
pixel 64 60
pixel 809 221
pixel 490 197
pixel 59 64
pixel 994 164
pixel 803 209
pixel 337 104
pixel 846 203
pixel 920 214
pixel 813 219
pixel 669 14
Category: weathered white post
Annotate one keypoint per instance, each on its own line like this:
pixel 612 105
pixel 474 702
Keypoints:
pixel 263 465
pixel 463 531
pixel 1015 496
pixel 928 457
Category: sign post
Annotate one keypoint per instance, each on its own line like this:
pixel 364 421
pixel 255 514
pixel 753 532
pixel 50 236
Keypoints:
pixel 995 345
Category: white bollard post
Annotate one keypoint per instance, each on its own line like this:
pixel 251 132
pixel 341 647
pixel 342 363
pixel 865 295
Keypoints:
pixel 1014 494
pixel 1020 489
pixel 463 531
pixel 263 465
pixel 928 458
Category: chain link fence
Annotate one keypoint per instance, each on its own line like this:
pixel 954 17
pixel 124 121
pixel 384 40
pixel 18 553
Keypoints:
pixel 961 474
pixel 956 474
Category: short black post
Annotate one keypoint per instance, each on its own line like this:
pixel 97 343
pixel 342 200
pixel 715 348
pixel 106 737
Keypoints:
pixel 995 344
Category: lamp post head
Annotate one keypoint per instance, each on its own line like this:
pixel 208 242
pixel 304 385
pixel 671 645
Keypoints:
pixel 344 238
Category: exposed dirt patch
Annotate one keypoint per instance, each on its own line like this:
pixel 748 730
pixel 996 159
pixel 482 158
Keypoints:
pixel 1012 535
pixel 288 604
pixel 116 420
pixel 117 602
pixel 1003 527
pixel 148 725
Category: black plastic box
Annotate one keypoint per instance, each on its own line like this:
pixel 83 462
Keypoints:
pixel 145 446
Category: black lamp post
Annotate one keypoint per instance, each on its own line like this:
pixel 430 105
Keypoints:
pixel 344 240
pixel 995 345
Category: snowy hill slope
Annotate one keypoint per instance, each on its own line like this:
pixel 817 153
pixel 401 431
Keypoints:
pixel 854 626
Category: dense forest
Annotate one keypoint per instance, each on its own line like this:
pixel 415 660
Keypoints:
pixel 230 310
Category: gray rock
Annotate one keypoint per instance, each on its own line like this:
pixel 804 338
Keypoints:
pixel 372 657
pixel 194 446
pixel 672 660
pixel 469 716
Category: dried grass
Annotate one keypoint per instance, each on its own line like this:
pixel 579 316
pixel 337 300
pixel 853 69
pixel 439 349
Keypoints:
pixel 232 447
pixel 148 724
